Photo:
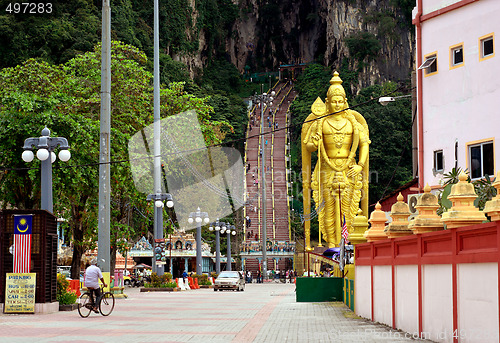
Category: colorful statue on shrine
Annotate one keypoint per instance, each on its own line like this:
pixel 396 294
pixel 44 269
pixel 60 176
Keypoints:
pixel 338 182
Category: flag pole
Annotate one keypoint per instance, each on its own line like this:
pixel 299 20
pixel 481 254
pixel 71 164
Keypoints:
pixel 342 242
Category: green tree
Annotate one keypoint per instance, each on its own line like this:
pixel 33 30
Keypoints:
pixel 66 99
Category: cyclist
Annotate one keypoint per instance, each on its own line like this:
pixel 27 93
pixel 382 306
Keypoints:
pixel 92 275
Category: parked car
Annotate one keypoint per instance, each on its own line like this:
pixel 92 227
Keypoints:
pixel 64 270
pixel 230 280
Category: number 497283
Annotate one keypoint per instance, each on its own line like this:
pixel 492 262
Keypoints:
pixel 29 8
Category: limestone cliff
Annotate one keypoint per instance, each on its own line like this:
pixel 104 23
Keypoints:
pixel 268 33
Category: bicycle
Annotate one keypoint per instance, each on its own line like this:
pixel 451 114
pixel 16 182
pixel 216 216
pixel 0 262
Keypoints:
pixel 106 303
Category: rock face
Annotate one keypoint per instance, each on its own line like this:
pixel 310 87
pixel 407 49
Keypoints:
pixel 268 33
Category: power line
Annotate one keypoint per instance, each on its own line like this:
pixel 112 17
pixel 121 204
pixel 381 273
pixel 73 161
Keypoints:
pixel 185 152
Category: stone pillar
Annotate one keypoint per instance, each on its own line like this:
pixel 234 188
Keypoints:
pixel 377 221
pixel 492 207
pixel 462 212
pixel 359 226
pixel 427 219
pixel 399 214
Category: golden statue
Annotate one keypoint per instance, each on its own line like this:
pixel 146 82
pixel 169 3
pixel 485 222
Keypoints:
pixel 338 183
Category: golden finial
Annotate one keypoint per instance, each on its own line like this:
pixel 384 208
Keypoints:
pixel 427 188
pixel 399 214
pixel 336 86
pixel 462 212
pixel 462 176
pixel 336 80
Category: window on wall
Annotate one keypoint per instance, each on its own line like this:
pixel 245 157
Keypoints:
pixel 438 161
pixel 487 46
pixel 457 56
pixel 430 64
pixel 481 159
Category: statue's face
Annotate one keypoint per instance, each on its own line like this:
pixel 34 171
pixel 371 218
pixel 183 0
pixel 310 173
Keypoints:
pixel 335 103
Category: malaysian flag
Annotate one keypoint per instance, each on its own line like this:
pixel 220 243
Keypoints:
pixel 22 243
pixel 345 233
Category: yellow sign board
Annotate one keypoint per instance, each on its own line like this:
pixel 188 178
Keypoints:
pixel 20 293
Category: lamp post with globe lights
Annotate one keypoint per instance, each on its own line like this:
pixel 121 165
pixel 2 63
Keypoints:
pixel 159 199
pixel 45 153
pixel 264 100
pixel 217 227
pixel 198 217
pixel 230 231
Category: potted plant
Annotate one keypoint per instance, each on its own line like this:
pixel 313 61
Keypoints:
pixel 66 299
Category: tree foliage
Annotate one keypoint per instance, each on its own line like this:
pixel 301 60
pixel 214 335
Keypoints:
pixel 66 99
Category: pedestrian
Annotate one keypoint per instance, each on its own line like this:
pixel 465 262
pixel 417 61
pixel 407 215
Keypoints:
pixel 255 210
pixel 253 175
pixel 266 141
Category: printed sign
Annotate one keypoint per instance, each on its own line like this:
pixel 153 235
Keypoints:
pixel 160 255
pixel 20 293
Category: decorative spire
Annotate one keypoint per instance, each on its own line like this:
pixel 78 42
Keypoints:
pixel 492 207
pixel 336 86
pixel 462 212
pixel 377 221
pixel 399 214
pixel 359 226
pixel 427 219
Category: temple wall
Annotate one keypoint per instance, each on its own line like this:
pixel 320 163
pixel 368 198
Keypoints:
pixel 437 300
pixel 362 294
pixel 439 285
pixel 382 295
pixel 406 294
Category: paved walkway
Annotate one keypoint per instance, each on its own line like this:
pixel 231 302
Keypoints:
pixel 263 313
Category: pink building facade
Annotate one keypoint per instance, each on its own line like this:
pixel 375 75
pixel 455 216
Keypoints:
pixel 458 92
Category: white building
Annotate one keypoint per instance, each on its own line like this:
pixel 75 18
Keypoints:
pixel 458 87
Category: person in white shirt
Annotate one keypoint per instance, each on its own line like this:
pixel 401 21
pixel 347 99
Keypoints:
pixel 91 280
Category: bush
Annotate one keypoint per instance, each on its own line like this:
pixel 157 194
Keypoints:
pixel 163 281
pixel 64 297
pixel 203 280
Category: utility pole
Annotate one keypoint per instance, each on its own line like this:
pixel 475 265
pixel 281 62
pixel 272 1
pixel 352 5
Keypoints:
pixel 103 253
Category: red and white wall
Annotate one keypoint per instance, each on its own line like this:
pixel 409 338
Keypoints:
pixel 441 286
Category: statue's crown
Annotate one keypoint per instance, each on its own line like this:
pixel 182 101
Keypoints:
pixel 336 86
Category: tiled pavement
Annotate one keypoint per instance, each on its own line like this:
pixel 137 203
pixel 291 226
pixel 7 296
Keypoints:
pixel 263 313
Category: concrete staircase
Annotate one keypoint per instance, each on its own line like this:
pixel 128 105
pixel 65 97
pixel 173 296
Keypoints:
pixel 275 176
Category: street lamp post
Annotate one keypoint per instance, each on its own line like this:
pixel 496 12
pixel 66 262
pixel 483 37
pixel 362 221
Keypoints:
pixel 264 99
pixel 199 217
pixel 230 231
pixel 217 226
pixel 46 146
pixel 159 199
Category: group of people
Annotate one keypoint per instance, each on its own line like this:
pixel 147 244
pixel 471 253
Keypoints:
pixel 288 276
pixel 272 246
